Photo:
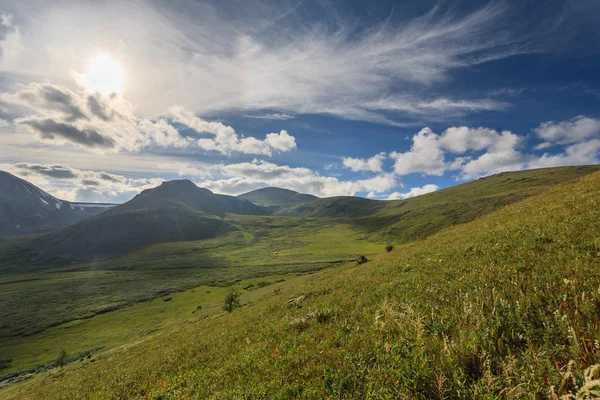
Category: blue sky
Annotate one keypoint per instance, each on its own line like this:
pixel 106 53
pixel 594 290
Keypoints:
pixel 386 99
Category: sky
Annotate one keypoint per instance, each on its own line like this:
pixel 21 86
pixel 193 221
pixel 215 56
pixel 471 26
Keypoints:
pixel 386 100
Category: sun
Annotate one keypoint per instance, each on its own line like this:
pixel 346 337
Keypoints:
pixel 105 75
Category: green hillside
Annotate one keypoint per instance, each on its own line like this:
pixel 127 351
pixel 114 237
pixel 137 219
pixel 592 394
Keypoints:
pixel 277 197
pixel 111 234
pixel 402 221
pixel 505 306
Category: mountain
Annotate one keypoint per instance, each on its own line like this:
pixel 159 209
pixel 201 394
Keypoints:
pixel 185 192
pixel 277 197
pixel 330 207
pixel 26 209
pixel 174 211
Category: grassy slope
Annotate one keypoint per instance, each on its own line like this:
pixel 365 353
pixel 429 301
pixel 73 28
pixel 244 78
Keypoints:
pixel 402 221
pixel 495 308
pixel 124 326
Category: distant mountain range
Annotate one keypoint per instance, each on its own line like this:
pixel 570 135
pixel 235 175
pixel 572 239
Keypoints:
pixel 175 210
pixel 181 211
pixel 26 209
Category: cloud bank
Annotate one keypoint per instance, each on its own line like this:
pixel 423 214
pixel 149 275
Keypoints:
pixel 107 123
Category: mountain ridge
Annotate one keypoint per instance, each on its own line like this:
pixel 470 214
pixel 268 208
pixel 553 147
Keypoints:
pixel 173 211
pixel 277 197
pixel 25 209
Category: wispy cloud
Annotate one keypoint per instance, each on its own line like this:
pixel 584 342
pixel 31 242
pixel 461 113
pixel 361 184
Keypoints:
pixel 273 116
pixel 210 62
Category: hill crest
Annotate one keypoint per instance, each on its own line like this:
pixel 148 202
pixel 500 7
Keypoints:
pixel 277 197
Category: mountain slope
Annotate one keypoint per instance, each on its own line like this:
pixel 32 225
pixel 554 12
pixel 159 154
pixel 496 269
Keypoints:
pixel 401 221
pixel 26 209
pixel 334 207
pixel 110 234
pixel 495 308
pixel 173 211
pixel 277 197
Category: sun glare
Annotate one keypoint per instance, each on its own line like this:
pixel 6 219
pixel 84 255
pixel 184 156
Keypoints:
pixel 105 75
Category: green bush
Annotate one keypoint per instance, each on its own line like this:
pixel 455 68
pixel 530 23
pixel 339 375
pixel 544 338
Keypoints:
pixel 362 259
pixel 232 301
pixel 389 248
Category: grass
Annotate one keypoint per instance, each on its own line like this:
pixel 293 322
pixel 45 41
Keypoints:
pixel 506 306
pixel 124 326
pixel 31 302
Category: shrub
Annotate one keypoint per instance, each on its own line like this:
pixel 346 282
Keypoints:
pixel 62 359
pixel 361 260
pixel 323 316
pixel 389 248
pixel 232 301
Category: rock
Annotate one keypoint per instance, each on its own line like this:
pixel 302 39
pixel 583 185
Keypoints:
pixel 302 320
pixel 294 301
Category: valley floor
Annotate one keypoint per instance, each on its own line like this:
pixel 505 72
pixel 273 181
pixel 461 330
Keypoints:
pixel 91 307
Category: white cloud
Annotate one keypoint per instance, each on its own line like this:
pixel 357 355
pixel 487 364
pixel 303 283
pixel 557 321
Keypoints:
pixel 373 164
pixel 226 139
pixel 416 191
pixel 500 151
pixel 107 123
pixel 281 141
pixel 575 130
pixel 492 163
pixel 425 156
pixel 242 177
pixel 429 152
pixel 575 154
pixel 462 139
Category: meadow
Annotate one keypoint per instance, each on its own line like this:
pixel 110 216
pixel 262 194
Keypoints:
pixel 38 308
pixel 506 306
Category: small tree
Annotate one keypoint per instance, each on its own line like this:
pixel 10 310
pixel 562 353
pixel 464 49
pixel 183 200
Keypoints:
pixel 232 301
pixel 362 260
pixel 62 359
pixel 389 248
